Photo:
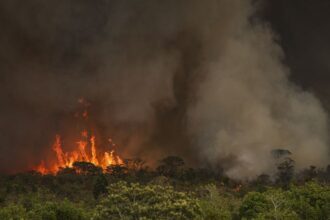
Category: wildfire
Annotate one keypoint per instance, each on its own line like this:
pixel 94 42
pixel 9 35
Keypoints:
pixel 86 150
pixel 66 159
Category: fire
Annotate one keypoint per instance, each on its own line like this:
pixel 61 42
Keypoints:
pixel 86 150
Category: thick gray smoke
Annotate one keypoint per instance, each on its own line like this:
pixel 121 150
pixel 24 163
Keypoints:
pixel 200 79
pixel 246 106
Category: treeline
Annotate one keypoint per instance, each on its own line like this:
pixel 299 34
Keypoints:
pixel 170 191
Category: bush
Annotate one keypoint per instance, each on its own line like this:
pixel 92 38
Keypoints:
pixel 271 204
pixel 58 211
pixel 135 201
pixel 13 212
pixel 311 201
pixel 253 204
pixel 216 206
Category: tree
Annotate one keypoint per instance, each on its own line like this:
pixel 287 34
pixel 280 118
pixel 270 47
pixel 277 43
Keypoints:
pixel 100 186
pixel 279 208
pixel 323 175
pixel 253 204
pixel 86 168
pixel 58 211
pixel 68 170
pixel 216 206
pixel 170 166
pixel 285 172
pixel 135 201
pixel 311 201
pixel 14 212
pixel 49 210
pixel 307 175
pixel 261 182
pixel 263 179
pixel 118 171
pixel 135 164
pixel 271 204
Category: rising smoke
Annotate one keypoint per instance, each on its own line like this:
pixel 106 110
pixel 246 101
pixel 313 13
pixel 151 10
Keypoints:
pixel 204 80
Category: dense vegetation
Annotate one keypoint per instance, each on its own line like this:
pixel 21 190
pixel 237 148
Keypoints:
pixel 172 191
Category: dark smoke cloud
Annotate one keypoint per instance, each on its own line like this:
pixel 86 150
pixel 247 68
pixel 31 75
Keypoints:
pixel 203 80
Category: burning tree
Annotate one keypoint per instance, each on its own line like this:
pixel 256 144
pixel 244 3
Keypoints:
pixel 86 153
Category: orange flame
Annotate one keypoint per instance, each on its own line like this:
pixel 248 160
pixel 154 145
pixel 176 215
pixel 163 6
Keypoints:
pixel 42 168
pixel 67 159
pixel 86 151
pixel 93 148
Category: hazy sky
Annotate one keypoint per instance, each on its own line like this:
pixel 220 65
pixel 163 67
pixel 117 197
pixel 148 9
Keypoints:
pixel 304 33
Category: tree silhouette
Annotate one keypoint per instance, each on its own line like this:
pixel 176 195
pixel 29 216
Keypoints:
pixel 170 166
pixel 100 186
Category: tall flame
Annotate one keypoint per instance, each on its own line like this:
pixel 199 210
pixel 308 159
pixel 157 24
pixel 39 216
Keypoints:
pixel 82 153
pixel 93 148
pixel 86 150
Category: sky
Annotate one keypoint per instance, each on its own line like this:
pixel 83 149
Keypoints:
pixel 303 29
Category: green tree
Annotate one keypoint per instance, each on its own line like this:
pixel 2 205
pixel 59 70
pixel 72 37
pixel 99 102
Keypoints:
pixel 278 206
pixel 13 212
pixel 57 211
pixel 216 206
pixel 135 201
pixel 311 201
pixel 272 204
pixel 253 204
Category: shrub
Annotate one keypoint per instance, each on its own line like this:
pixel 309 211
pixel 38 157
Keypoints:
pixel 216 206
pixel 311 201
pixel 13 212
pixel 271 204
pixel 58 211
pixel 135 201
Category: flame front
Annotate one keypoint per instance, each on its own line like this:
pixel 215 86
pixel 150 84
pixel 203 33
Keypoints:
pixel 86 150
pixel 82 153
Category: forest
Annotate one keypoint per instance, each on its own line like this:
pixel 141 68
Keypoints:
pixel 172 190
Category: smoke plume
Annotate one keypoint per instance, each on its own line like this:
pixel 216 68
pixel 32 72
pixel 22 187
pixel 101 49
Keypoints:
pixel 204 80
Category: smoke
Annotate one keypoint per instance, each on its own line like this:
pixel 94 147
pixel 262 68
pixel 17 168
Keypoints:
pixel 202 80
pixel 246 107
